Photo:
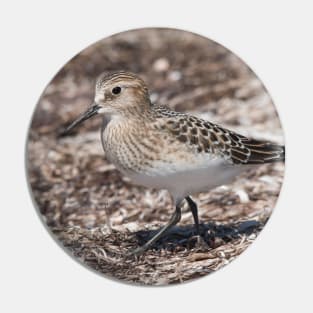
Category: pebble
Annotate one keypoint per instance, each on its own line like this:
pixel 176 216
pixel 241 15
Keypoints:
pixel 154 97
pixel 175 75
pixel 242 195
pixel 161 65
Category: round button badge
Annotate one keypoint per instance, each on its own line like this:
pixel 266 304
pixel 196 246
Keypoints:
pixel 155 156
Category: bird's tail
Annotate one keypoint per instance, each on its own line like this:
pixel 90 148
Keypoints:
pixel 264 152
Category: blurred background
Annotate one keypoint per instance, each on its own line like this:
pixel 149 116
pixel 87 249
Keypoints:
pixel 81 196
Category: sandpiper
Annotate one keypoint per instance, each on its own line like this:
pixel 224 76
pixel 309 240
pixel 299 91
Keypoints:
pixel 159 148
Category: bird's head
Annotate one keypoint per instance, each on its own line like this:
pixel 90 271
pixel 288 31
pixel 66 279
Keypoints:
pixel 119 94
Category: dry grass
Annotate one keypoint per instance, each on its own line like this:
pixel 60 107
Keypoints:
pixel 98 214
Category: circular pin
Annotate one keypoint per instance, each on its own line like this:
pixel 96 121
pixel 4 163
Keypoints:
pixel 155 156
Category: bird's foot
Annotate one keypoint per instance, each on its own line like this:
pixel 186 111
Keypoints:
pixel 200 242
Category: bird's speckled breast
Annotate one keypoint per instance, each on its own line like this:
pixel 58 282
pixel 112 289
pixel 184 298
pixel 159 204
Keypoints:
pixel 137 148
pixel 129 147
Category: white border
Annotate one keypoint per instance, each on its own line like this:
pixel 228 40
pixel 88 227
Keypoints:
pixel 38 38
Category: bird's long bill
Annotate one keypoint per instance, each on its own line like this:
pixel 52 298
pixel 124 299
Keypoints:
pixel 92 110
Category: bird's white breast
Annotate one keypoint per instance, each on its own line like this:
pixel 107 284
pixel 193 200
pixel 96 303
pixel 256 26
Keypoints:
pixel 194 178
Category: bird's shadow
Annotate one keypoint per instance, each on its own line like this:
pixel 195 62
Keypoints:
pixel 186 236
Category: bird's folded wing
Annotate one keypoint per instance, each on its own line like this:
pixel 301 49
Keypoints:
pixel 206 137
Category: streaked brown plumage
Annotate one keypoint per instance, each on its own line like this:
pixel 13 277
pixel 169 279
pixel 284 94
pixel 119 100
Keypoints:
pixel 160 148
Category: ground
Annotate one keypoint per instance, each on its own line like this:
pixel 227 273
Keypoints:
pixel 99 215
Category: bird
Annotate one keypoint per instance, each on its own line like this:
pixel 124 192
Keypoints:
pixel 160 148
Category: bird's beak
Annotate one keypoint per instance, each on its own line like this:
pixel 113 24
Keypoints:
pixel 92 110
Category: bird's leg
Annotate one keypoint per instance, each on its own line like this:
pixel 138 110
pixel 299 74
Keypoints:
pixel 173 221
pixel 194 210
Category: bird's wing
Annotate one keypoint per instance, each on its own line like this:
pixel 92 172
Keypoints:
pixel 206 137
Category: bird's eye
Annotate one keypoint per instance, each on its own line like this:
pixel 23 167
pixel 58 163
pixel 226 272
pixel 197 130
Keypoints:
pixel 116 90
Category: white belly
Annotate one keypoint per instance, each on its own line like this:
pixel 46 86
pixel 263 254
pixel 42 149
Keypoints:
pixel 192 180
